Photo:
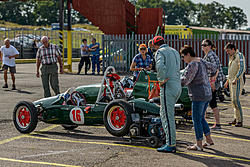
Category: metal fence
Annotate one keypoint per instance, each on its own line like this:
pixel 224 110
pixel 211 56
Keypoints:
pixel 119 50
pixel 23 39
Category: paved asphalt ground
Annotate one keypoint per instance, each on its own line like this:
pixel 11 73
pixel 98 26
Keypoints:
pixel 89 146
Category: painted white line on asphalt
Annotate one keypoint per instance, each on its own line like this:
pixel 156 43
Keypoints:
pixel 43 154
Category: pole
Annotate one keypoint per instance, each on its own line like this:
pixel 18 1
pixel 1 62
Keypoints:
pixel 61 34
pixel 69 37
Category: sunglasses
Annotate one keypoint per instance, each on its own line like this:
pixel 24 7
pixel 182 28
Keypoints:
pixel 142 48
pixel 205 45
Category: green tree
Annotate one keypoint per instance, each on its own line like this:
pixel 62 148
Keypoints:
pixel 211 15
pixel 11 11
pixel 47 12
pixel 179 12
pixel 147 3
pixel 235 17
pixel 27 11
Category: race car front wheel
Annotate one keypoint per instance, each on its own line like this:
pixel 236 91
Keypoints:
pixel 117 117
pixel 25 117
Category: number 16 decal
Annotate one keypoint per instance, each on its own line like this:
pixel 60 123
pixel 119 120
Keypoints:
pixel 77 115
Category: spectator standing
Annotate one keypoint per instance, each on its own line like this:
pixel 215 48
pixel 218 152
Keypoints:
pixel 94 49
pixel 151 52
pixel 48 55
pixel 236 69
pixel 199 89
pixel 210 56
pixel 141 61
pixel 34 47
pixel 84 57
pixel 39 44
pixel 9 53
pixel 168 73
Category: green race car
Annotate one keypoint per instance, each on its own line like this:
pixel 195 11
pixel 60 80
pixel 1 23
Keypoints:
pixel 123 110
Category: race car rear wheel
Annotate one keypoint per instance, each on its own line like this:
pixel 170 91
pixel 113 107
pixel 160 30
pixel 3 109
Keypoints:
pixel 25 117
pixel 117 117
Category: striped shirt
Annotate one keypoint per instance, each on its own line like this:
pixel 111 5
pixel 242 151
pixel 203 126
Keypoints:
pixel 48 55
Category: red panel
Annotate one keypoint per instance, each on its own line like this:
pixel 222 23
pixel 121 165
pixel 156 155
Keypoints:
pixel 148 20
pixel 130 17
pixel 108 15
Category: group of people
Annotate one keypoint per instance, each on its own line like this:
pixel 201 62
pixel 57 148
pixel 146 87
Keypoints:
pixel 202 76
pixel 47 57
pixel 90 51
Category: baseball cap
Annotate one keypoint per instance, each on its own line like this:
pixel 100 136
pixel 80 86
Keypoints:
pixel 157 39
pixel 142 46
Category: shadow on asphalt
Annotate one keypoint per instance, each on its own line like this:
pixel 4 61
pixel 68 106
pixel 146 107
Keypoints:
pixel 77 134
pixel 19 91
pixel 230 134
pixel 215 162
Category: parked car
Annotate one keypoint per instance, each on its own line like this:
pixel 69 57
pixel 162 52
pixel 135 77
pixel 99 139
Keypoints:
pixel 25 40
pixel 56 26
pixel 80 29
pixel 42 29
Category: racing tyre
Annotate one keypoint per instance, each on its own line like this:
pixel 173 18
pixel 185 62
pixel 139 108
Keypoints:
pixel 69 127
pixel 25 117
pixel 153 141
pixel 117 117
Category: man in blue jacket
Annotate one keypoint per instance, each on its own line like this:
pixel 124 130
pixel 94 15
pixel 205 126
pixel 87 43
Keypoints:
pixel 94 49
pixel 168 73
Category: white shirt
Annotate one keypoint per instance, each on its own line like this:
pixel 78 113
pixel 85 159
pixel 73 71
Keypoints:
pixel 10 51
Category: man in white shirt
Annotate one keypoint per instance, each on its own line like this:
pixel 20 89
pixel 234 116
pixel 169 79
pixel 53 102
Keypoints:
pixel 8 54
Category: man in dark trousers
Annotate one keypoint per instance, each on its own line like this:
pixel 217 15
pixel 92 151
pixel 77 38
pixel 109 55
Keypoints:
pixel 94 49
pixel 48 55
pixel 84 57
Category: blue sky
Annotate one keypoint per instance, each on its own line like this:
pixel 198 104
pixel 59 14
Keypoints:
pixel 243 4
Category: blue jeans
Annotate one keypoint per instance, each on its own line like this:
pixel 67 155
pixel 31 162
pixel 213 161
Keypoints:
pixel 198 115
pixel 95 61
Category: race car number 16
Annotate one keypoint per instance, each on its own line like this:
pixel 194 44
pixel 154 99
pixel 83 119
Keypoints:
pixel 77 115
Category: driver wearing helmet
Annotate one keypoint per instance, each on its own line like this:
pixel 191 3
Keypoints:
pixel 168 73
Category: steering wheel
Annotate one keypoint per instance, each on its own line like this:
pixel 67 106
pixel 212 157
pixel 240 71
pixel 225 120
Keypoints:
pixel 77 99
pixel 145 71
